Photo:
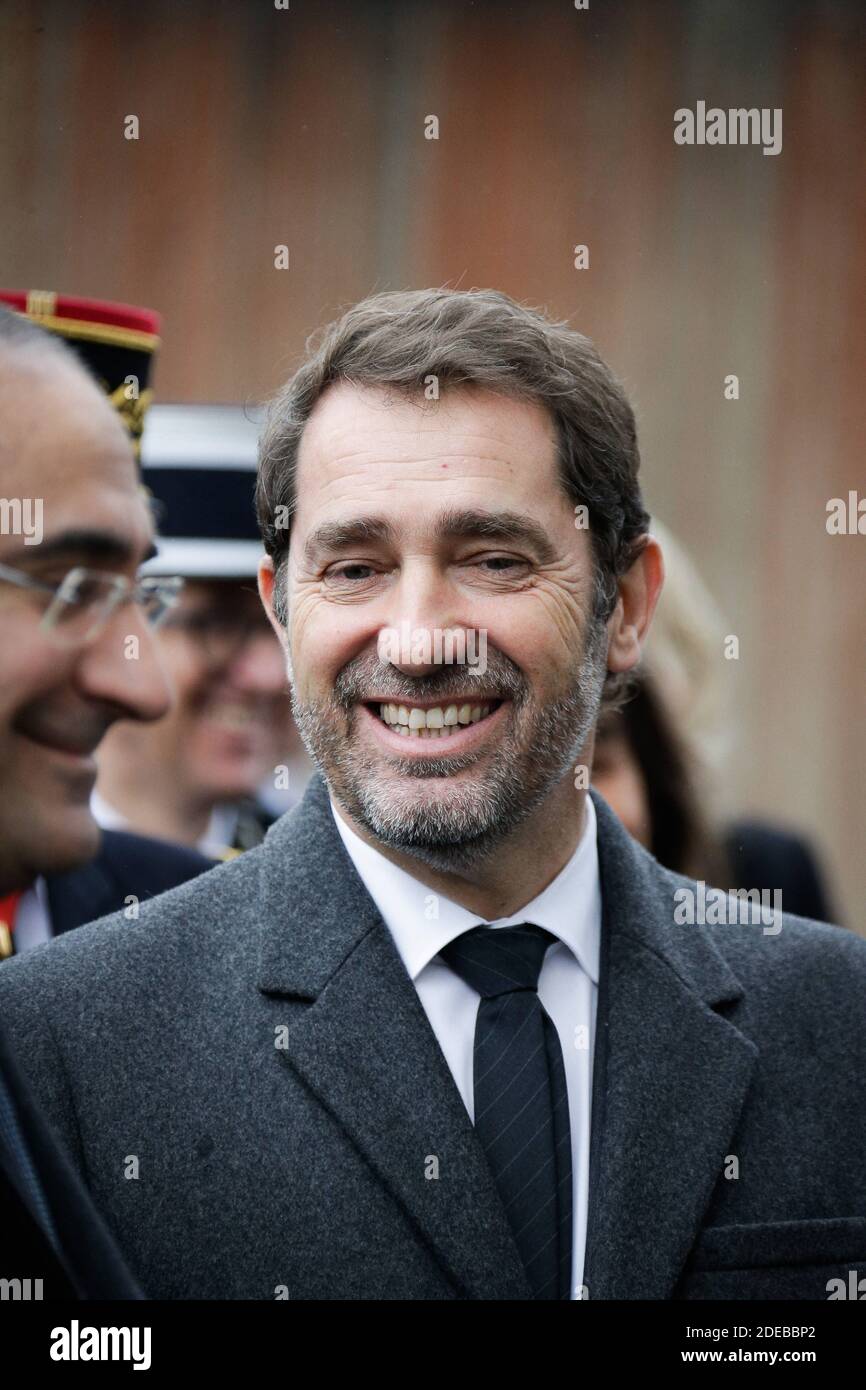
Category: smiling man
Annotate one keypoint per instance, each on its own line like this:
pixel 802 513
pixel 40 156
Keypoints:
pixel 440 1036
pixel 61 439
pixel 78 655
pixel 72 614
pixel 427 514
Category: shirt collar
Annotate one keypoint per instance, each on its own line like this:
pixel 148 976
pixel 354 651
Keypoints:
pixel 423 922
pixel 105 815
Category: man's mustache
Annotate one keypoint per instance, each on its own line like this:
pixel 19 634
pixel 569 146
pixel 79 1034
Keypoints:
pixel 363 681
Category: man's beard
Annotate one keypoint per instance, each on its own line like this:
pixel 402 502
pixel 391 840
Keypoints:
pixel 457 827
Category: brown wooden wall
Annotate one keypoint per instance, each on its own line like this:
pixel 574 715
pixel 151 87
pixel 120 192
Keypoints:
pixel 306 127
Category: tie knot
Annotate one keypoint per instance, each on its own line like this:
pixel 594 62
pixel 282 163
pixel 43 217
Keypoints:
pixel 499 960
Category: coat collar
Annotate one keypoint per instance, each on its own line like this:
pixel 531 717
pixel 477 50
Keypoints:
pixel 670 1072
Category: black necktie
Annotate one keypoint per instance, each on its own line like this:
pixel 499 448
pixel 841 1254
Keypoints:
pixel 521 1101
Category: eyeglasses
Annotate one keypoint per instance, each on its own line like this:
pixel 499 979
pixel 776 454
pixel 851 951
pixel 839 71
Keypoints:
pixel 219 636
pixel 80 606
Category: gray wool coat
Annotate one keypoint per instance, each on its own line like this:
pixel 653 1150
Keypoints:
pixel 249 1086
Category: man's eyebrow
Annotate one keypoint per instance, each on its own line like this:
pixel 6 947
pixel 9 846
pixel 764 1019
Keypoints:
pixel 498 526
pixel 95 544
pixel 337 535
pixel 454 524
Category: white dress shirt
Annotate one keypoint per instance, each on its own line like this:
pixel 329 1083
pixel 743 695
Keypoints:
pixel 423 922
pixel 33 918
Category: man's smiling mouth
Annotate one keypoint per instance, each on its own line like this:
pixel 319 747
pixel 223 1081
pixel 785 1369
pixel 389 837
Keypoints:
pixel 433 721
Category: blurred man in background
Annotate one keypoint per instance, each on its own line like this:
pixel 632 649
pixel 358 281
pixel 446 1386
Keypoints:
pixel 194 776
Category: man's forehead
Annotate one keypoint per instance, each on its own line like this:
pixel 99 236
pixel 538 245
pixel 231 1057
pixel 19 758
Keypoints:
pixel 109 522
pixel 347 418
pixel 487 455
pixel 49 406
pixel 62 442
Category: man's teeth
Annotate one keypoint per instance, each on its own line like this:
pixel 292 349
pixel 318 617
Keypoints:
pixel 439 722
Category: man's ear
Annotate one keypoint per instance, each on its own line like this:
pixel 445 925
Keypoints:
pixel 629 623
pixel 267 580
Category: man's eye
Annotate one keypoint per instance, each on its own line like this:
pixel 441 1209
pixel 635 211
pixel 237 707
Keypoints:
pixel 501 564
pixel 350 573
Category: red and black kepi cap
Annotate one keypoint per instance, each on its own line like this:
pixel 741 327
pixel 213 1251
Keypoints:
pixel 117 342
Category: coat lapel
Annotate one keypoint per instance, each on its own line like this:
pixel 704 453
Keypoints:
pixel 366 1048
pixel 670 1078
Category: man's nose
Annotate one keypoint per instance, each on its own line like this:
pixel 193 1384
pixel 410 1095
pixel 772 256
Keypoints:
pixel 122 667
pixel 422 604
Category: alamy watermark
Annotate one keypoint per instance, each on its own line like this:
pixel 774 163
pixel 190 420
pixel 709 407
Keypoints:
pixel 434 646
pixel 855 1288
pixel 22 516
pixel 20 1290
pixel 736 126
pixel 846 518
pixel 713 907
pixel 77 1343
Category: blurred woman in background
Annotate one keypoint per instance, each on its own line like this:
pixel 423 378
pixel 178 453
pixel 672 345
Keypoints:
pixel 655 758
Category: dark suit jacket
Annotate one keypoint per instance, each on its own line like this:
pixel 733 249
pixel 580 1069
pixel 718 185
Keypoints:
pixel 256 1045
pixel 49 1228
pixel 126 864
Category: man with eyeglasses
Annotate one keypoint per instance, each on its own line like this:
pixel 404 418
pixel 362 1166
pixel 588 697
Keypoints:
pixel 78 654
pixel 199 775
pixel 76 617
